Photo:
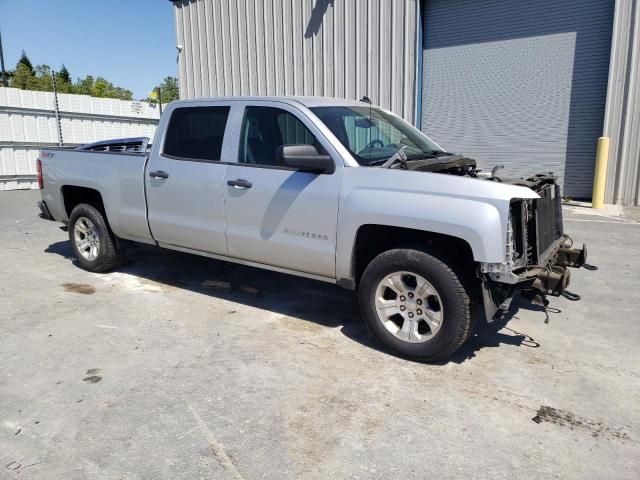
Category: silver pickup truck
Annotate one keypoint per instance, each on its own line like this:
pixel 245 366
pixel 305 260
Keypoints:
pixel 335 190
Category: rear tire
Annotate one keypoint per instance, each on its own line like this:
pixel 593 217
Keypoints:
pixel 415 304
pixel 94 245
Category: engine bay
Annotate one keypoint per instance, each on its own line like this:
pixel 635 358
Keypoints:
pixel 466 167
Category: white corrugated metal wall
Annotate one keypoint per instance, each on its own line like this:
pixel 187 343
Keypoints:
pixel 27 124
pixel 333 48
pixel 622 113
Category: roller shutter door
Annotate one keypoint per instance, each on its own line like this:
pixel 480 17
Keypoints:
pixel 518 83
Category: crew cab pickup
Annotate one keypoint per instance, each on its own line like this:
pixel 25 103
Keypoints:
pixel 331 189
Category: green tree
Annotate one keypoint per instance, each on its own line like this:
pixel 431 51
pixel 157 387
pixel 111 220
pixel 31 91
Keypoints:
pixel 169 88
pixel 42 70
pixel 100 88
pixel 24 60
pixel 123 93
pixel 63 74
pixel 22 77
pixel 168 91
pixel 42 79
pixel 26 79
pixel 105 89
pixel 83 86
pixel 62 85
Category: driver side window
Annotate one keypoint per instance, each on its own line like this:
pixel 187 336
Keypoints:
pixel 264 129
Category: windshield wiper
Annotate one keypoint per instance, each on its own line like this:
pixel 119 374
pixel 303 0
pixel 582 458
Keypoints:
pixel 431 154
pixel 441 153
pixel 399 156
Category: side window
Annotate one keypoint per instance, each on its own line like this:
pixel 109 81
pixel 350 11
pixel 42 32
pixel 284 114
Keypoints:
pixel 264 129
pixel 196 133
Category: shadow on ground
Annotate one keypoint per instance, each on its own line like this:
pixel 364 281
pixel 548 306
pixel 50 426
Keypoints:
pixel 496 333
pixel 309 300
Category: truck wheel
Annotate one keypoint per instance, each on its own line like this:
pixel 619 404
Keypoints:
pixel 415 304
pixel 93 243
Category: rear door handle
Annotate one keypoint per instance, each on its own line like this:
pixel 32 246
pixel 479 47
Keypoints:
pixel 159 174
pixel 239 183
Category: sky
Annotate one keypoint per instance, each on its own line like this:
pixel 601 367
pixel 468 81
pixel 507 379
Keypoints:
pixel 131 43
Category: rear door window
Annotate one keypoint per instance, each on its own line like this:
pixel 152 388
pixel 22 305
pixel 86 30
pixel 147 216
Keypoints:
pixel 196 133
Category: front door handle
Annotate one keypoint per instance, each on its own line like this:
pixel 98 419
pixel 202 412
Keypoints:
pixel 159 174
pixel 239 183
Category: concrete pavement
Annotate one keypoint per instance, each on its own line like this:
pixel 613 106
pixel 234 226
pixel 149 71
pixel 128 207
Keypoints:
pixel 158 370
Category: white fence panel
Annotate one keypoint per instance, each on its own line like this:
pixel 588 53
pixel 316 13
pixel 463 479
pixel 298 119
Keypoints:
pixel 18 159
pixel 28 123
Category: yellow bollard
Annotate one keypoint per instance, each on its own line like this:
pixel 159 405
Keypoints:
pixel 600 175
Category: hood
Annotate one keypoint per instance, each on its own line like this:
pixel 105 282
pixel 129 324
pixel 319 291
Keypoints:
pixel 434 183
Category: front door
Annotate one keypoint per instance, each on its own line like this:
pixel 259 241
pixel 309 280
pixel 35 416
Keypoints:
pixel 276 215
pixel 185 178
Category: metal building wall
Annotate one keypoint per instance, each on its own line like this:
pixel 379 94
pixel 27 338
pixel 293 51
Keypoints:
pixel 622 114
pixel 336 48
pixel 522 84
pixel 27 124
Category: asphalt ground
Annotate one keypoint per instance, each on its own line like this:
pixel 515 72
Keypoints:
pixel 176 366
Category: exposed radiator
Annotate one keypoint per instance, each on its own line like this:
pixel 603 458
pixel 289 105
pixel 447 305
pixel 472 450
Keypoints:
pixel 546 224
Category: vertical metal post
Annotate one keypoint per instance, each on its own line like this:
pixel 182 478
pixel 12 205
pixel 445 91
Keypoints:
pixel 159 99
pixel 56 109
pixel 2 70
pixel 600 175
pixel 419 68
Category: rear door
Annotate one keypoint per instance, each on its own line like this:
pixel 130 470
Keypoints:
pixel 184 178
pixel 277 215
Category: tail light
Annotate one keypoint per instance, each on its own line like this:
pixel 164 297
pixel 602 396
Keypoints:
pixel 39 170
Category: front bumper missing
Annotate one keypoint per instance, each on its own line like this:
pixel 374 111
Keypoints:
pixel 535 283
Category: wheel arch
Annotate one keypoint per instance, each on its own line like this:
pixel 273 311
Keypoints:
pixel 373 239
pixel 74 195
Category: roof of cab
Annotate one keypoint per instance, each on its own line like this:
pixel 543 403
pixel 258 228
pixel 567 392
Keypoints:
pixel 306 101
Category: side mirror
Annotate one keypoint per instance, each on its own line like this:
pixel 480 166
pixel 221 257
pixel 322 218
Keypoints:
pixel 305 158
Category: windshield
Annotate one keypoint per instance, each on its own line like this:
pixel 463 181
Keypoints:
pixel 372 136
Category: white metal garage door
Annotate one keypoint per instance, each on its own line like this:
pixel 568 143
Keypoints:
pixel 518 83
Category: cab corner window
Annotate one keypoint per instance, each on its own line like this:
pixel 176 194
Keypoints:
pixel 196 133
pixel 264 129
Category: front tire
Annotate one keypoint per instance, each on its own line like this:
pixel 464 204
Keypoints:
pixel 415 304
pixel 94 244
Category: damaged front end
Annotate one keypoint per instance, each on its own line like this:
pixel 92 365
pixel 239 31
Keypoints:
pixel 538 253
pixel 554 278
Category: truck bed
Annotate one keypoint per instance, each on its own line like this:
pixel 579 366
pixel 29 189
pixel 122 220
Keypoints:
pixel 118 177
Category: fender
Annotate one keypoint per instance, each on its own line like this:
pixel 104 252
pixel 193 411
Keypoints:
pixel 476 211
